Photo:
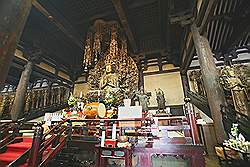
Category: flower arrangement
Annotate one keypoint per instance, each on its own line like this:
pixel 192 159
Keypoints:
pixel 237 141
pixel 109 99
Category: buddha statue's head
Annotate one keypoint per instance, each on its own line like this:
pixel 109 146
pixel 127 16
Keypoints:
pixel 110 68
pixel 229 71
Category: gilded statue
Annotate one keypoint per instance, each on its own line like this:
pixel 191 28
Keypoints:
pixel 109 80
pixel 28 102
pixel 160 99
pixel 197 82
pixel 46 97
pixel 232 83
pixel 34 99
pixel 1 104
pixel 115 71
pixel 6 102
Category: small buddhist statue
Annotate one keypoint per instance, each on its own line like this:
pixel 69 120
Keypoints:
pixel 27 105
pixel 143 100
pixel 1 104
pixel 160 100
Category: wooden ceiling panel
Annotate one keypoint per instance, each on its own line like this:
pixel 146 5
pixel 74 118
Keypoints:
pixel 145 19
pixel 61 34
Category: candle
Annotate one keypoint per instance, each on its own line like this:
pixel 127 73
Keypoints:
pixel 114 131
pixel 81 94
pixel 103 139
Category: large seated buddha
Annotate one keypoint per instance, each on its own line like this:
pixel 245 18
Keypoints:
pixel 110 79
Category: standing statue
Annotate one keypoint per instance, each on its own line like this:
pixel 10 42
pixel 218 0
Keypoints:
pixel 232 83
pixel 160 100
pixel 28 102
pixel 2 98
pixel 143 100
pixel 197 83
pixel 5 105
pixel 46 98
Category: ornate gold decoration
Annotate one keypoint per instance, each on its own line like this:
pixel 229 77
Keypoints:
pixel 97 41
pixel 115 71
pixel 87 61
pixel 197 82
pixel 231 82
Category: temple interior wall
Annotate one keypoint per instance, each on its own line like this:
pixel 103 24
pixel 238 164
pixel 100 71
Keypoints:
pixel 171 85
pixel 169 82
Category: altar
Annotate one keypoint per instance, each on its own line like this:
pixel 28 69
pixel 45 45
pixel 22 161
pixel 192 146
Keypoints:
pixel 113 116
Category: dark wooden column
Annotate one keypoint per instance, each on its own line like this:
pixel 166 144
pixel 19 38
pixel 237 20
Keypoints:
pixel 141 78
pixel 210 76
pixel 21 90
pixel 13 15
pixel 185 83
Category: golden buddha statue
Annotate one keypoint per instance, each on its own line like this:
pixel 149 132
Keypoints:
pixel 109 80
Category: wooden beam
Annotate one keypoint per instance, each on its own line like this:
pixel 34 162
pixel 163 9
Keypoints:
pixel 13 16
pixel 120 9
pixel 187 59
pixel 162 21
pixel 209 12
pixel 241 26
pixel 58 24
pixel 133 5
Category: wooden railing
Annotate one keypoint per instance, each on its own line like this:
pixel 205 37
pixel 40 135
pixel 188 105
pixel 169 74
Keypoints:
pixel 11 132
pixel 200 102
pixel 46 146
pixel 8 133
pixel 37 102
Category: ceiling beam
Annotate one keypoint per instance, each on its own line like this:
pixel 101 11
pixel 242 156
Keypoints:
pixel 209 12
pixel 241 26
pixel 119 7
pixel 58 24
pixel 188 56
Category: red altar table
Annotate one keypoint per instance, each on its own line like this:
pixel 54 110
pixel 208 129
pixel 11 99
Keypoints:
pixel 193 154
pixel 105 153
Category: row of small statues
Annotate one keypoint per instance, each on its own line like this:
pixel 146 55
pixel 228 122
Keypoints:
pixel 116 97
pixel 35 99
pixel 143 98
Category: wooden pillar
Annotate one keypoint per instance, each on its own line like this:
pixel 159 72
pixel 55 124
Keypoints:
pixel 185 83
pixel 18 105
pixel 215 94
pixel 141 78
pixel 13 15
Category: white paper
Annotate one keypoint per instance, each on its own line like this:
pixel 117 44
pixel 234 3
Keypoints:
pixel 130 112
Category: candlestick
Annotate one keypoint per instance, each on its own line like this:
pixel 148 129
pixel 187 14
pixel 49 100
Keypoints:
pixel 114 131
pixel 103 139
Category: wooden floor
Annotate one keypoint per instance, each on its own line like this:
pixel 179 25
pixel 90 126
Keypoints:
pixel 212 162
